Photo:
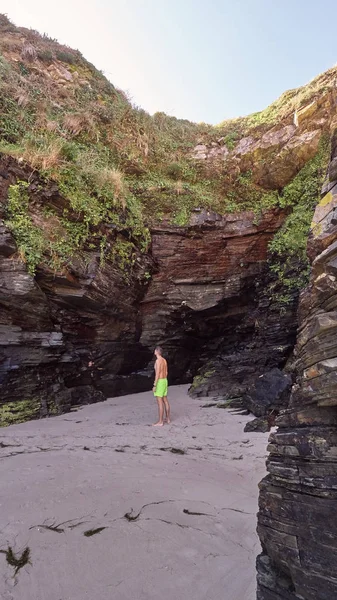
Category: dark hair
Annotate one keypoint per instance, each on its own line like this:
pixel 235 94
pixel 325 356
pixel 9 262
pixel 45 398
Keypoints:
pixel 159 349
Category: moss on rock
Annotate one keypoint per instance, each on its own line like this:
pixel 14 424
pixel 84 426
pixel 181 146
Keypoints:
pixel 12 413
pixel 200 379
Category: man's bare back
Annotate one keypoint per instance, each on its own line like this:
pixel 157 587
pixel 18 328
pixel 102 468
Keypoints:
pixel 160 368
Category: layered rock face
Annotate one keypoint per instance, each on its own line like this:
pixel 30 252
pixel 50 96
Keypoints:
pixel 203 298
pixel 298 499
pixel 255 344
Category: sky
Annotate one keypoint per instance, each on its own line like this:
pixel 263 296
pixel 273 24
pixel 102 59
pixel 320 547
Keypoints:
pixel 203 60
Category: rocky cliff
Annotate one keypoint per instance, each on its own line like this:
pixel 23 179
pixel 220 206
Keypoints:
pixel 298 499
pixel 120 231
pixel 53 325
pixel 196 304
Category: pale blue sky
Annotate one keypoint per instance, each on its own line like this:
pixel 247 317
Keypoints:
pixel 204 60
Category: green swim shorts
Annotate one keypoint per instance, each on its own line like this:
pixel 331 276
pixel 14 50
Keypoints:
pixel 161 388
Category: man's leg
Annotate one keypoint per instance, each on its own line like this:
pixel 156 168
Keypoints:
pixel 167 409
pixel 160 412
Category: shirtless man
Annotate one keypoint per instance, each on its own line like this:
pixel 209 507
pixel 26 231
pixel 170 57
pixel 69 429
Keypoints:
pixel 160 388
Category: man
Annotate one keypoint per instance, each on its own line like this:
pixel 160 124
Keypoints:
pixel 160 388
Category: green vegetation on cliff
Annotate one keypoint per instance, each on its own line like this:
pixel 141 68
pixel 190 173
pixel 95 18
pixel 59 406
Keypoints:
pixel 12 413
pixel 112 162
pixel 117 169
pixel 289 260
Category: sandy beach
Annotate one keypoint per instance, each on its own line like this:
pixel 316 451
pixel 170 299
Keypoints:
pixel 112 508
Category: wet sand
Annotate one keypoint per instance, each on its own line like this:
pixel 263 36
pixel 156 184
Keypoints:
pixel 189 532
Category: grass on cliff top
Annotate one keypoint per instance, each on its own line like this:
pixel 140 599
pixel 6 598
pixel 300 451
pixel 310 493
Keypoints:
pixel 281 109
pixel 115 166
pixel 111 160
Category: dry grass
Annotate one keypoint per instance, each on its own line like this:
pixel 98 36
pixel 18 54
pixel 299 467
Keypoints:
pixel 52 126
pixel 143 143
pixel 28 53
pixel 47 157
pixel 179 188
pixel 106 178
pixel 43 122
pixel 22 99
pixel 10 43
pixel 63 93
pixel 50 225
pixel 113 178
pixel 81 122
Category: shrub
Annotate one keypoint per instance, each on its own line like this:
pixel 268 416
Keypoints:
pixel 112 179
pixel 288 247
pixel 123 254
pixel 175 171
pixel 45 55
pixel 29 238
pixel 66 57
pixel 6 25
pixel 28 53
pixel 70 151
pixel 182 217
pixel 230 140
pixel 77 123
pixel 44 153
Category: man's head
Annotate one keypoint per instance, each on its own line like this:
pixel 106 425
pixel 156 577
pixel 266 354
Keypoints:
pixel 158 351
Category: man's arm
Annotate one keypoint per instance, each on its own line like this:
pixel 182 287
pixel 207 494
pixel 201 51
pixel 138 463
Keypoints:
pixel 155 374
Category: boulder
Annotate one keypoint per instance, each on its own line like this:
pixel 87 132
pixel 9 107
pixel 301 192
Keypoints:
pixel 270 392
pixel 257 424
